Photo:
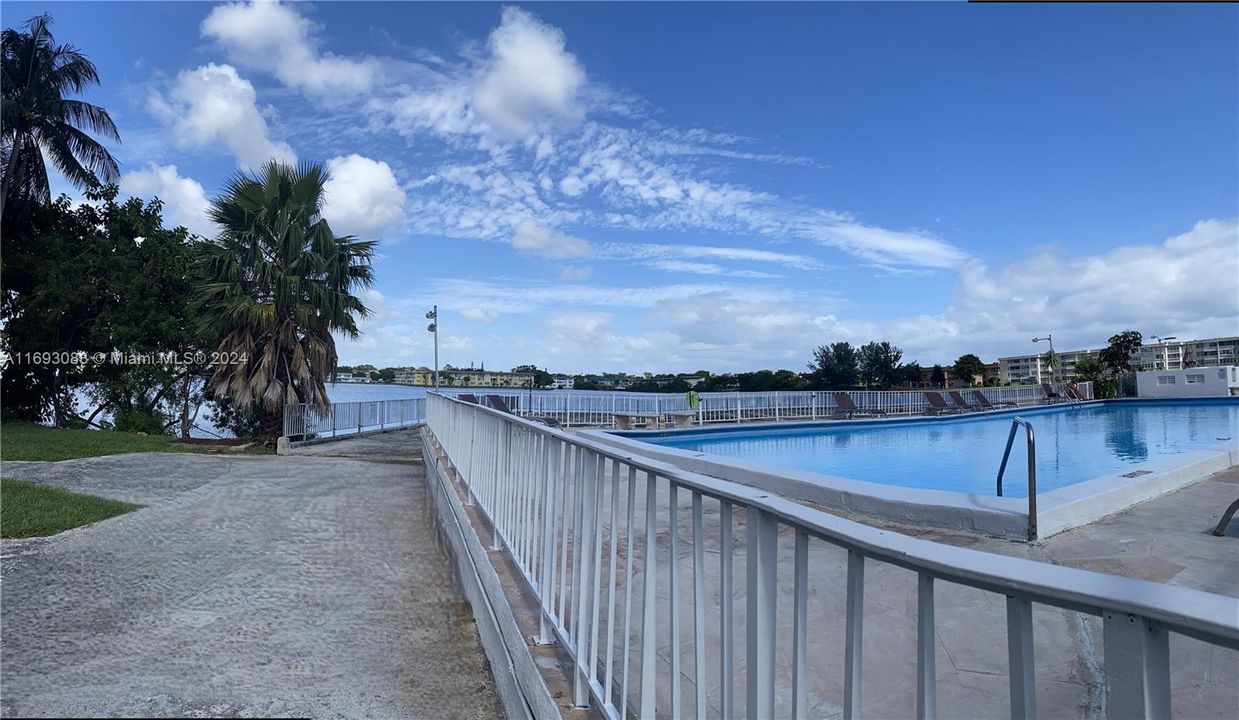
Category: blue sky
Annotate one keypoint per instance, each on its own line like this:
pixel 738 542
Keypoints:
pixel 638 186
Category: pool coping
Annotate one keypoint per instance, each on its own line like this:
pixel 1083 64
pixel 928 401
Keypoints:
pixel 1057 510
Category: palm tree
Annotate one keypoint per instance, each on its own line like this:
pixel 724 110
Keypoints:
pixel 279 283
pixel 38 120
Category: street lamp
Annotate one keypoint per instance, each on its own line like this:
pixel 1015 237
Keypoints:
pixel 1053 357
pixel 433 316
pixel 1165 352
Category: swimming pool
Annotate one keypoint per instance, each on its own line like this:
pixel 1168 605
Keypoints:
pixel 1075 443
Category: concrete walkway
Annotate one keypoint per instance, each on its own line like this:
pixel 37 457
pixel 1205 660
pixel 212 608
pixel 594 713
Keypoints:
pixel 248 586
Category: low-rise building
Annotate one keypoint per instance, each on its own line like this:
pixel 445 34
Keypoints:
pixel 463 377
pixel 1167 355
pixel 1204 381
pixel 562 382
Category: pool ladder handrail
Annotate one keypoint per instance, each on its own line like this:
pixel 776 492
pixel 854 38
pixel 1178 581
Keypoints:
pixel 1032 470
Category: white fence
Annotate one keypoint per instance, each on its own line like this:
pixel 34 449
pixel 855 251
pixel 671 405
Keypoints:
pixel 305 420
pixel 599 408
pixel 586 525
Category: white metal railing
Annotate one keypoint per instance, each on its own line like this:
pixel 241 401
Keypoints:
pixel 586 524
pixel 304 420
pixel 599 408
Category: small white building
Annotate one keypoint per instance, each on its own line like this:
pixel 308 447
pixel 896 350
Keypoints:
pixel 1213 381
pixel 560 381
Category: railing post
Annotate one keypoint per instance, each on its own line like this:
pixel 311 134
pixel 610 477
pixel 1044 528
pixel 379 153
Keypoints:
pixel 926 649
pixel 1022 677
pixel 546 579
pixel 649 618
pixel 584 578
pixel 1137 662
pixel 761 601
pixel 853 635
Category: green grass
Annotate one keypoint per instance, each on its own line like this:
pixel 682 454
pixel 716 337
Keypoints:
pixel 30 510
pixel 27 441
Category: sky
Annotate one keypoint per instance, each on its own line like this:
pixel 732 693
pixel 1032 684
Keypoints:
pixel 672 187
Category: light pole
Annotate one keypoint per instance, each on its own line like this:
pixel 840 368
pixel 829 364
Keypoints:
pixel 1053 357
pixel 1165 351
pixel 433 328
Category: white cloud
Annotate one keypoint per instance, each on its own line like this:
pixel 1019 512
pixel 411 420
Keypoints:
pixel 184 201
pixel 880 245
pixel 1187 285
pixel 212 104
pixel 483 315
pixel 534 237
pixel 362 196
pixel 575 272
pixel 700 268
pixel 274 38
pixel 529 78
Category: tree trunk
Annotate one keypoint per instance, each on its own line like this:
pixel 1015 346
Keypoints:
pixel 272 426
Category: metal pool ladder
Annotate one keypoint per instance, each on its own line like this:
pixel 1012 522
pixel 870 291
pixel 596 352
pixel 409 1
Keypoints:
pixel 1032 470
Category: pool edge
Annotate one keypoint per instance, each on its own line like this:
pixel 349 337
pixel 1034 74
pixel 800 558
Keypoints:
pixel 1059 510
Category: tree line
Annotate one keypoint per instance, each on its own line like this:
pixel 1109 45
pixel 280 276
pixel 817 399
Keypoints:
pixel 243 319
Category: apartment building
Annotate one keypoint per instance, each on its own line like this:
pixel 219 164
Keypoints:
pixel 463 377
pixel 1169 355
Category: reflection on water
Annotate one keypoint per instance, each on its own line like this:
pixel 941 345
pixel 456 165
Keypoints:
pixel 1074 444
pixel 1125 435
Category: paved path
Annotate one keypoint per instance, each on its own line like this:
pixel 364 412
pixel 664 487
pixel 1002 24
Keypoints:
pixel 249 586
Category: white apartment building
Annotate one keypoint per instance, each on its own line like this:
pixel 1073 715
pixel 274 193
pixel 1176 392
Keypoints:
pixel 1169 355
pixel 562 382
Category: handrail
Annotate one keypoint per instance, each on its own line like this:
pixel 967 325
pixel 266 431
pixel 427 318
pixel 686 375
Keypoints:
pixel 1032 471
pixel 544 492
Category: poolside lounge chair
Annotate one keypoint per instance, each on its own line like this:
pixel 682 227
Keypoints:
pixel 938 406
pixel 846 408
pixel 498 403
pixel 987 405
pixel 1220 530
pixel 961 403
pixel 467 397
pixel 1050 395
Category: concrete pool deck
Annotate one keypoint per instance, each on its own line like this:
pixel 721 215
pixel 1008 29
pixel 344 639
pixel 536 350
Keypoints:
pixel 248 586
pixel 1167 539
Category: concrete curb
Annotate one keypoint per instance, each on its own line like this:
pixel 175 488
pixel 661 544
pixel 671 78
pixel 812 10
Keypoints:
pixel 519 683
pixel 285 446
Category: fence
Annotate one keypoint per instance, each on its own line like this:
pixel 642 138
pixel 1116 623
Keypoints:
pixel 599 409
pixel 305 420
pixel 586 524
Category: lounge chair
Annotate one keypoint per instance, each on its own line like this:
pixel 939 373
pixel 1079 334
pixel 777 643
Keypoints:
pixel 846 408
pixel 1050 395
pixel 467 397
pixel 1220 530
pixel 498 403
pixel 961 403
pixel 985 404
pixel 938 406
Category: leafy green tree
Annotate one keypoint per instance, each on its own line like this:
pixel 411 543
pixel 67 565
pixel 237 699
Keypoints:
pixel 1116 357
pixel 910 374
pixel 99 278
pixel 279 283
pixel 40 120
pixel 387 375
pixel 834 366
pixel 1089 368
pixel 541 378
pixel 967 367
pixel 878 363
pixel 937 376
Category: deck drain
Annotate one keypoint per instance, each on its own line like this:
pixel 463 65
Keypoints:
pixel 1136 473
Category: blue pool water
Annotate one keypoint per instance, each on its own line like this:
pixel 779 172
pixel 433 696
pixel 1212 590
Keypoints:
pixel 1074 443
